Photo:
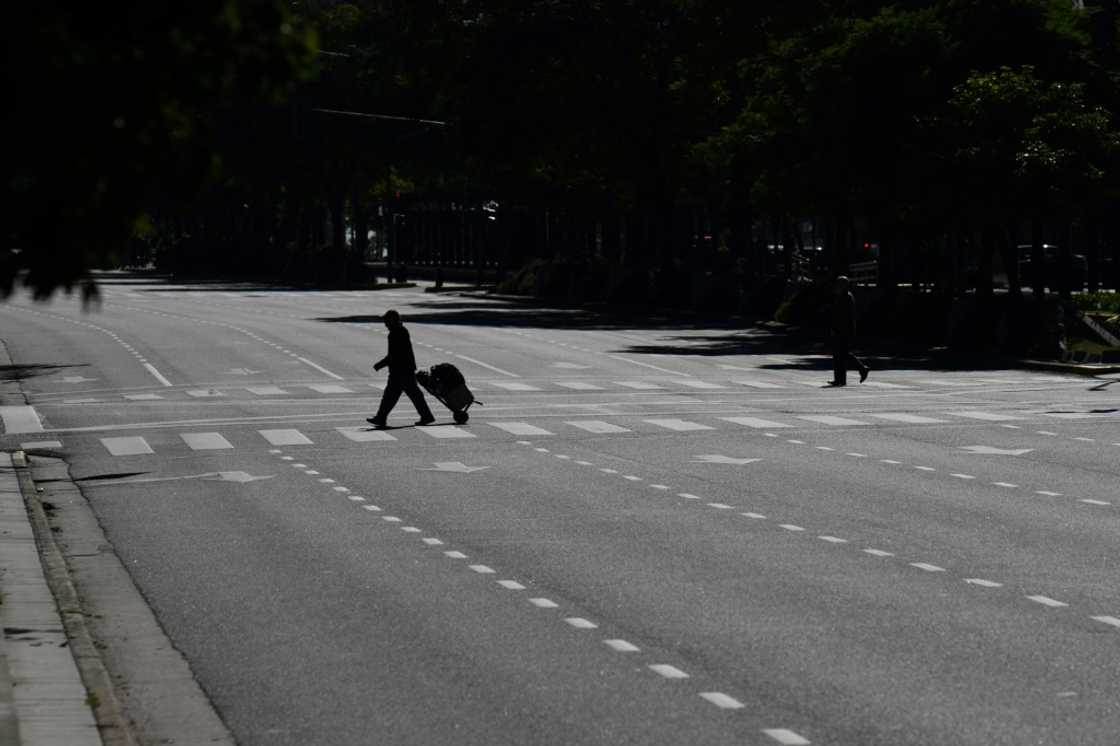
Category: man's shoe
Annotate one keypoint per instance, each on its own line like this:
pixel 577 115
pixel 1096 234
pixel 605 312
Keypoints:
pixel 863 374
pixel 836 383
pixel 425 421
pixel 379 424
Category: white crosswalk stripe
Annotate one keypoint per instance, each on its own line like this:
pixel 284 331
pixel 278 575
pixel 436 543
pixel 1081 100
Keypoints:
pixel 205 441
pixel 639 385
pixel 329 388
pixel 987 416
pixel 598 427
pixel 520 428
pixel 695 384
pixel 360 434
pixel 914 419
pixel 132 445
pixel 514 386
pixel 885 385
pixel 266 390
pixel 758 384
pixel 579 386
pixel 287 437
pixel 142 397
pixel 446 431
pixel 203 393
pixel 828 419
pixel 678 425
pixel 754 422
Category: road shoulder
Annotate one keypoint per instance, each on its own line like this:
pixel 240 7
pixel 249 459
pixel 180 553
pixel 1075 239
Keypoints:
pixel 149 682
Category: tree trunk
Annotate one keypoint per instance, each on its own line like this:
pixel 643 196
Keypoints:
pixel 1038 259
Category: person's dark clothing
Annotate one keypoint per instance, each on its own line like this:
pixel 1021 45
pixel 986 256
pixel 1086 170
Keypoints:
pixel 403 381
pixel 402 377
pixel 400 357
pixel 843 330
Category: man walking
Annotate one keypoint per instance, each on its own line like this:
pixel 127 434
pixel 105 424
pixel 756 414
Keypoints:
pixel 843 329
pixel 402 374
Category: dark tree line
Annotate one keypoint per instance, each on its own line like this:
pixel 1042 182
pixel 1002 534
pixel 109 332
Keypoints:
pixel 629 146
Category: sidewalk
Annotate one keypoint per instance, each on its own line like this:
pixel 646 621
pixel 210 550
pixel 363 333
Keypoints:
pixel 42 699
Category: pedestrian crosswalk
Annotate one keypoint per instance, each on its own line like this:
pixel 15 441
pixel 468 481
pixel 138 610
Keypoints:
pixel 760 384
pixel 622 425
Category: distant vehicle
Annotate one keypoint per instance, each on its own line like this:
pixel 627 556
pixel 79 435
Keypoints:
pixel 1051 254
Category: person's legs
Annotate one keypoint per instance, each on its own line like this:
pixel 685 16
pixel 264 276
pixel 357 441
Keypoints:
pixel 417 397
pixel 389 399
pixel 839 361
pixel 860 366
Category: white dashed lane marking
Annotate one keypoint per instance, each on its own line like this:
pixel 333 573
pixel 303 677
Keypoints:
pixel 446 432
pixel 669 672
pixel 786 737
pixel 1047 601
pixel 581 623
pixel 721 700
pixel 621 646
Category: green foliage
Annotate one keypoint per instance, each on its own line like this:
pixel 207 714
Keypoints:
pixel 1098 301
pixel 110 105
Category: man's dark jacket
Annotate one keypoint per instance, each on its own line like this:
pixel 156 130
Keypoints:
pixel 400 358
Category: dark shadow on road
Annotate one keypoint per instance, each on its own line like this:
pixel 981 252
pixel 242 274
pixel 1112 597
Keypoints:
pixel 113 475
pixel 31 370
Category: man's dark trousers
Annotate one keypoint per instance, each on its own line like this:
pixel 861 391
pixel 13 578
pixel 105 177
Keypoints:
pixel 402 380
pixel 842 359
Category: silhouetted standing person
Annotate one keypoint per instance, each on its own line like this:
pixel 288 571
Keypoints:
pixel 843 330
pixel 402 374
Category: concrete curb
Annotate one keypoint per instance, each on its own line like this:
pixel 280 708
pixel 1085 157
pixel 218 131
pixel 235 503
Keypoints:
pixel 110 718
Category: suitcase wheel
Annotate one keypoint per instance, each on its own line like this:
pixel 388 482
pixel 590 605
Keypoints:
pixel 460 417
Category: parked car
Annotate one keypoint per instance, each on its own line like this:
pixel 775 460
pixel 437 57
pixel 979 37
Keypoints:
pixel 1051 254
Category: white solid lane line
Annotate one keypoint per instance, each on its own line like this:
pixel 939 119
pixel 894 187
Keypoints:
pixel 319 368
pixel 487 366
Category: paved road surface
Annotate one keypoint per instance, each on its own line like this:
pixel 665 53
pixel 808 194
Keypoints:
pixel 650 534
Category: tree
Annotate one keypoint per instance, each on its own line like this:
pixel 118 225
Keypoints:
pixel 111 105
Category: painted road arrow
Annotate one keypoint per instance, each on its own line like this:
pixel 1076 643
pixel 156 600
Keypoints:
pixel 715 458
pixel 240 477
pixel 456 466
pixel 992 451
